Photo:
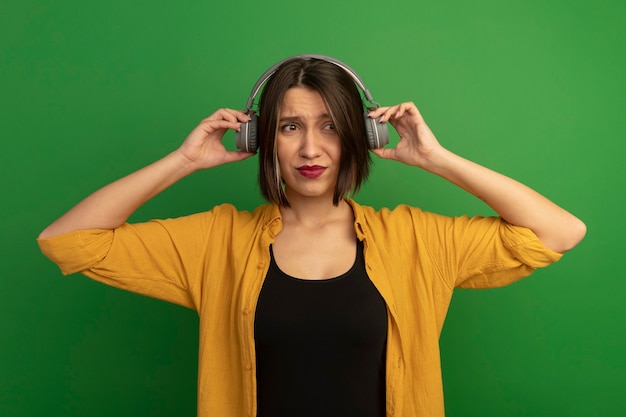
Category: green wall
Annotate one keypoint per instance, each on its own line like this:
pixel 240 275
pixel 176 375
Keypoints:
pixel 91 90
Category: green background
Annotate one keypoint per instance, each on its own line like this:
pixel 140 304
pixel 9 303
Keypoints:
pixel 91 91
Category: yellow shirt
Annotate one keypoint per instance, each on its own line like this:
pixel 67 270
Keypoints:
pixel 215 263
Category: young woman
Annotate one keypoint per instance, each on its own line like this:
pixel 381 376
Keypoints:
pixel 313 305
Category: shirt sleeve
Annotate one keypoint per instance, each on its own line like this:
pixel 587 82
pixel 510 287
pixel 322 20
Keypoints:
pixel 161 258
pixel 482 252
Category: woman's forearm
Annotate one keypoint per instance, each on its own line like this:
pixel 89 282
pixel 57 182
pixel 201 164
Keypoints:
pixel 113 204
pixel 516 203
pixel 513 201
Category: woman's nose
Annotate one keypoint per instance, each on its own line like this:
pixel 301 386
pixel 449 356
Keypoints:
pixel 310 145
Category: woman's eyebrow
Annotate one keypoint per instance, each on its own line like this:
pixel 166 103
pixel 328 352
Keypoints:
pixel 289 119
pixel 298 118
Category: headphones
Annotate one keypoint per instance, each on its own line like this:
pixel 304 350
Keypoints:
pixel 377 133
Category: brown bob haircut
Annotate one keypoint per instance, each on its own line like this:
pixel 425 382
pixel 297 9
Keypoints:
pixel 346 109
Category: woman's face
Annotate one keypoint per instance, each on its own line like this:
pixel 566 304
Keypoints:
pixel 307 145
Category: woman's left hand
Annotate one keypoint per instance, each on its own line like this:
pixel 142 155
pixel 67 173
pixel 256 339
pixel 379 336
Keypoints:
pixel 417 142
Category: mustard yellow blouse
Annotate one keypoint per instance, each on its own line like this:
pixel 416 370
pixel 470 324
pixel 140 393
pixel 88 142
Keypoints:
pixel 215 263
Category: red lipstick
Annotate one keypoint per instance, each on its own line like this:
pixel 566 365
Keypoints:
pixel 311 171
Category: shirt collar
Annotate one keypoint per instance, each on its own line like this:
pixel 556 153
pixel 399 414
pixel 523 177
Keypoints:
pixel 359 218
pixel 272 218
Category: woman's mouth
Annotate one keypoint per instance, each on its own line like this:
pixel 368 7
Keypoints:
pixel 311 171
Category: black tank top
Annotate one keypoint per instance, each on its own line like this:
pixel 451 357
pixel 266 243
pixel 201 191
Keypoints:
pixel 320 345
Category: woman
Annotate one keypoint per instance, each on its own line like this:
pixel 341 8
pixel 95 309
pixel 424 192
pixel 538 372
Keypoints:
pixel 313 304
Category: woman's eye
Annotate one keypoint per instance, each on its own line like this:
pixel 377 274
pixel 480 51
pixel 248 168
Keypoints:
pixel 329 126
pixel 289 127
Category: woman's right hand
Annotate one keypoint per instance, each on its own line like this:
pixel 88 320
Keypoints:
pixel 204 148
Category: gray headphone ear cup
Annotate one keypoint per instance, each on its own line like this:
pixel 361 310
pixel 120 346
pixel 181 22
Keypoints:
pixel 246 138
pixel 377 133
pixel 252 133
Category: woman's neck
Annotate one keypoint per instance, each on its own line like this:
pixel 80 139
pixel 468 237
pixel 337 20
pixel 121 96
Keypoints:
pixel 315 211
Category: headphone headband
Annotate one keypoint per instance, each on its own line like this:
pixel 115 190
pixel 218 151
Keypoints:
pixel 267 74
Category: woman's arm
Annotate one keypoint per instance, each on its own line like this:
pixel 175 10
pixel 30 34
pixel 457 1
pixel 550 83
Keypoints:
pixel 112 205
pixel 516 203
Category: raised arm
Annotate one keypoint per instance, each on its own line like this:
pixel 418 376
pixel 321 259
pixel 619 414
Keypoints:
pixel 112 205
pixel 516 203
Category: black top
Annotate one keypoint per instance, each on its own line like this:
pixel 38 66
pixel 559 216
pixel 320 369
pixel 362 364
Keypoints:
pixel 320 345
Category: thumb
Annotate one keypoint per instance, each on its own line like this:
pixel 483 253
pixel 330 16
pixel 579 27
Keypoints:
pixel 385 153
pixel 236 156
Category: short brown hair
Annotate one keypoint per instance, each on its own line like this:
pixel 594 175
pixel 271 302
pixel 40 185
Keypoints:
pixel 344 103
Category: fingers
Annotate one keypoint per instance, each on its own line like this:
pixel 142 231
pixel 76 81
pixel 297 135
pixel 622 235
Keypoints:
pixel 210 126
pixel 212 129
pixel 225 119
pixel 229 114
pixel 391 113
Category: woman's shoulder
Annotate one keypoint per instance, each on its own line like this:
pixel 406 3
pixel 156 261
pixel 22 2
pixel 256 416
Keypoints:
pixel 404 218
pixel 398 211
pixel 229 213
